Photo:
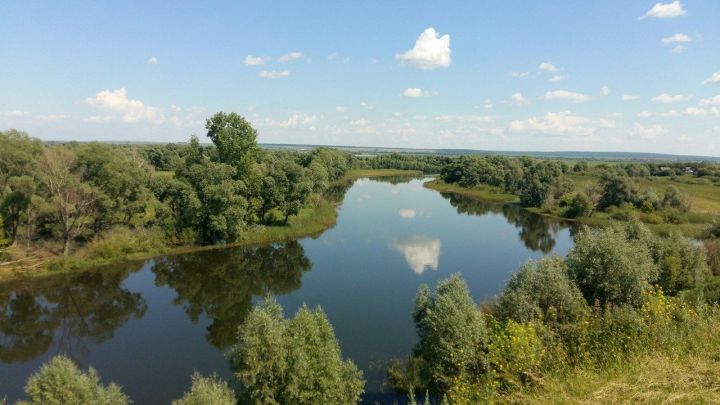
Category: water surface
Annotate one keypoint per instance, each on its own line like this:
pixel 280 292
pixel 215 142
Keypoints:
pixel 149 325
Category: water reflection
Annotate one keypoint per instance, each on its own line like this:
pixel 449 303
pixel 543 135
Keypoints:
pixel 222 283
pixel 420 252
pixel 537 232
pixel 407 213
pixel 77 310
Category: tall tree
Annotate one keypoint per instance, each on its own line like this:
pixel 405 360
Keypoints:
pixel 74 201
pixel 235 140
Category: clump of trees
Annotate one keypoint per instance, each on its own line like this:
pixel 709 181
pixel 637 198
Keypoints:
pixel 63 196
pixel 292 361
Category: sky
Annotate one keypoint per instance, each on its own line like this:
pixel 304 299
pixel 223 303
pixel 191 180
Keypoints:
pixel 551 75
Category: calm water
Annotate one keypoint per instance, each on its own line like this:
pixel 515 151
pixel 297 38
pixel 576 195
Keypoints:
pixel 148 326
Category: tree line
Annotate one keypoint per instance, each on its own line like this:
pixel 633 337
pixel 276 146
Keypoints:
pixel 70 194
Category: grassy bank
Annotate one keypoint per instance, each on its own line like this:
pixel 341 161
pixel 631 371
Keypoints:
pixel 481 193
pixel 132 246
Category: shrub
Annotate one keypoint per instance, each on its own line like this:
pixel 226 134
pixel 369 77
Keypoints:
pixel 681 262
pixel 580 206
pixel 452 333
pixel 61 382
pixel 674 198
pixel 712 252
pixel 542 291
pixel 515 352
pixel 618 190
pixel 610 267
pixel 295 361
pixel 207 390
pixel 121 241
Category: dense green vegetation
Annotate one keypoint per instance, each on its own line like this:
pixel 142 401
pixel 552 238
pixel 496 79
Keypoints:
pixel 103 202
pixel 557 319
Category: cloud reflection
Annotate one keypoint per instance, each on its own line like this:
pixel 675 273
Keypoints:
pixel 407 213
pixel 420 252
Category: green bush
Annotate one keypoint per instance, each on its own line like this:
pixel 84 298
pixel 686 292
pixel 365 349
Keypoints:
pixel 681 262
pixel 207 390
pixel 61 382
pixel 579 206
pixel 609 267
pixel 122 241
pixel 295 361
pixel 452 333
pixel 541 290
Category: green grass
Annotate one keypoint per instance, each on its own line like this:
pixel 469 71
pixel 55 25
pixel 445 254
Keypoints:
pixel 648 380
pixel 481 193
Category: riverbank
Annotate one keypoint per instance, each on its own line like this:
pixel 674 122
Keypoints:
pixel 697 229
pixel 311 221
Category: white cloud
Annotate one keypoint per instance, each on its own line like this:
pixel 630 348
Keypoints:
pixel 557 78
pixel 567 95
pixel 337 58
pixel 519 74
pixel 605 90
pixel 274 74
pixel 360 123
pixel 548 67
pixel 668 98
pixel 629 97
pixel 413 92
pixel 419 252
pixel 295 120
pixel 646 114
pixel 431 51
pixel 649 132
pixel 678 49
pixel 665 10
pixel 130 111
pixel 255 60
pixel 55 117
pixel 561 123
pixel 152 60
pixel 713 79
pixel 701 112
pixel 341 108
pixel 710 101
pixel 290 57
pixel 367 106
pixel 677 38
pixel 407 213
pixel 519 99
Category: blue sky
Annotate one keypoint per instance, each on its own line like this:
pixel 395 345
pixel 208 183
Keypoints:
pixel 513 75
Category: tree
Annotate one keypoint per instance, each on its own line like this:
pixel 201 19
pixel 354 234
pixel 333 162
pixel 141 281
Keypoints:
pixel 295 361
pixel 618 190
pixel 61 382
pixel 674 198
pixel 681 262
pixel 73 200
pixel 541 290
pixel 235 140
pixel 580 206
pixel 451 331
pixel 16 202
pixel 610 267
pixel 207 391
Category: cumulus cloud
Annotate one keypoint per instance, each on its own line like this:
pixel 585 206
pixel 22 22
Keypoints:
pixel 341 108
pixel 367 105
pixel 420 252
pixel 548 67
pixel 519 74
pixel 710 101
pixel 290 57
pixel 605 90
pixel 629 97
pixel 431 51
pixel 665 10
pixel 274 74
pixel 413 92
pixel 677 38
pixel 295 120
pixel 678 49
pixel 152 60
pixel 337 58
pixel 649 132
pixel 360 123
pixel 557 78
pixel 713 79
pixel 255 60
pixel 567 95
pixel 561 123
pixel 519 99
pixel 115 103
pixel 668 98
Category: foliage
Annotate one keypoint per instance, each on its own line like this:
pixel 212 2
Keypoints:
pixel 580 206
pixel 618 190
pixel 207 390
pixel 451 331
pixel 234 139
pixel 542 291
pixel 610 267
pixel 296 361
pixel 60 382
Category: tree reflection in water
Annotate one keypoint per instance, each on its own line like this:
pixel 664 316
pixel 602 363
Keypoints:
pixel 73 310
pixel 536 231
pixel 222 283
